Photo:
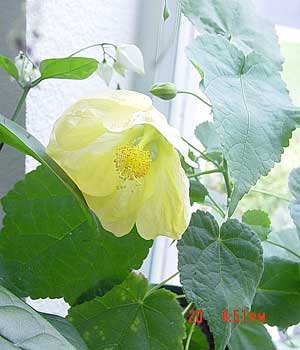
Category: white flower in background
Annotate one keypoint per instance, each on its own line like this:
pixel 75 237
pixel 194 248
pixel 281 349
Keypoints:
pixel 105 72
pixel 119 69
pixel 130 57
pixel 26 69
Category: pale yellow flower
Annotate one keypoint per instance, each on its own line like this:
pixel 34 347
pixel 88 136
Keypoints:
pixel 121 152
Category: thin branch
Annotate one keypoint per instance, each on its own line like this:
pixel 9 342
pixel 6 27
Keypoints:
pixel 270 194
pixel 283 247
pixel 207 172
pixel 188 92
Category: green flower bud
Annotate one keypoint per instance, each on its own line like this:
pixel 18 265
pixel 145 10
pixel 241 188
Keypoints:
pixel 165 91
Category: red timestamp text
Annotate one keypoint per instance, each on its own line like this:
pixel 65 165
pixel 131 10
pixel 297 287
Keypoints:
pixel 237 316
pixel 243 316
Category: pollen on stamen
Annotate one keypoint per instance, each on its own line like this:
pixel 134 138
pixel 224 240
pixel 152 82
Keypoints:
pixel 132 162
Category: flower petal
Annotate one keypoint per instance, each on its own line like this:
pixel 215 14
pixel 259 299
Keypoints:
pixel 118 211
pixel 130 57
pixel 166 210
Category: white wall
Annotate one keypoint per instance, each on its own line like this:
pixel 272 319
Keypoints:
pixel 62 27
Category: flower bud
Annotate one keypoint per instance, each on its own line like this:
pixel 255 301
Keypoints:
pixel 26 69
pixel 165 91
pixel 130 57
pixel 105 72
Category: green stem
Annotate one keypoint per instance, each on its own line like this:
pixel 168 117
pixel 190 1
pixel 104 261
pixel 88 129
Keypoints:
pixel 18 108
pixel 227 182
pixel 161 283
pixel 187 309
pixel 91 46
pixel 189 338
pixel 270 194
pixel 195 95
pixel 207 172
pixel 283 247
pixel 204 156
pixel 218 208
pixel 180 296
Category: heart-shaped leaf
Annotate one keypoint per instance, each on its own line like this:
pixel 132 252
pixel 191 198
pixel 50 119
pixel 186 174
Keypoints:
pixel 253 130
pixel 236 20
pixel 131 317
pixel 220 269
pixel 49 249
pixel 294 206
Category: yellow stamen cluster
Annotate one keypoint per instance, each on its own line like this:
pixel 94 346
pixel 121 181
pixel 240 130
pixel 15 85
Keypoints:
pixel 132 162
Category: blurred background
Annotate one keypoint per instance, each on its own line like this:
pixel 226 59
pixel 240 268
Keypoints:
pixel 56 28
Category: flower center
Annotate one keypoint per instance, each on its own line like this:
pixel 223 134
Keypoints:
pixel 132 162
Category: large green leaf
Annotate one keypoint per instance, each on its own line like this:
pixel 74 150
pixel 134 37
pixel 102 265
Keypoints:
pixel 278 294
pixel 259 222
pixel 23 328
pixel 252 130
pixel 14 135
pixel 252 336
pixel 219 269
pixel 128 317
pixel 9 67
pixel 294 206
pixel 237 21
pixel 49 249
pixel 66 329
pixel 77 68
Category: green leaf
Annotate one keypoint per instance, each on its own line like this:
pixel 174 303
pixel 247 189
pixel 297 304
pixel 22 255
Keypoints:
pixel 237 21
pixel 207 135
pixel 23 328
pixel 259 222
pixel 198 192
pixel 278 294
pixel 128 317
pixel 294 206
pixel 288 238
pixel 66 329
pixel 219 269
pixel 235 84
pixel 49 249
pixel 9 67
pixel 251 337
pixel 77 68
pixel 17 137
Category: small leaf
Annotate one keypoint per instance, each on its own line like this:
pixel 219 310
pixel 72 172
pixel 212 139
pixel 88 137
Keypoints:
pixel 207 135
pixel 9 67
pixel 250 149
pixel 66 329
pixel 166 13
pixel 278 294
pixel 76 68
pixel 251 336
pixel 259 222
pixel 17 137
pixel 198 192
pixel 128 317
pixel 23 328
pixel 219 269
pixel 49 249
pixel 236 20
pixel 294 206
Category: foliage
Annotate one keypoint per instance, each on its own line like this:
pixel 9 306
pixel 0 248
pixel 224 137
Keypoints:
pixel 52 244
